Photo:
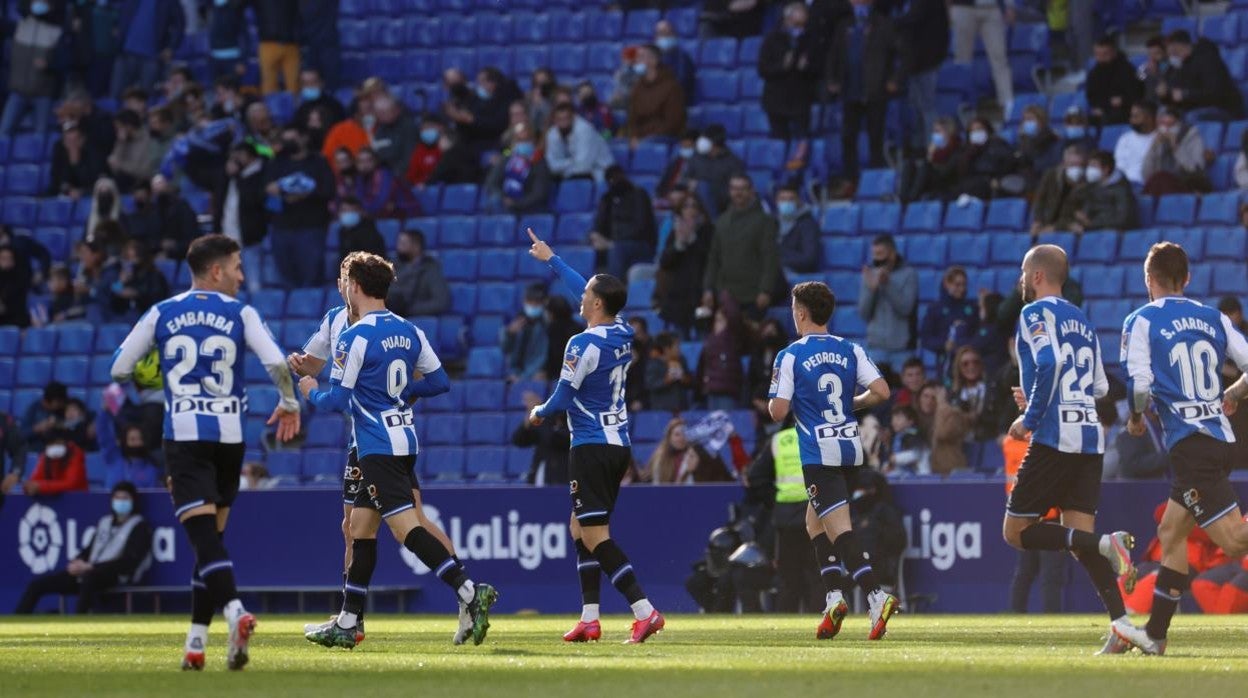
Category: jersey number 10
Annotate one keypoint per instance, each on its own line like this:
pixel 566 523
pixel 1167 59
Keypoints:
pixel 1198 369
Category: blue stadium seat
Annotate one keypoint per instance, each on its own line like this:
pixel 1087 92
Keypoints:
pixel 718 52
pixel 430 200
pixel 10 339
pixel 1146 205
pixel 684 20
pixel 881 217
pixel 847 323
pixel 841 219
pixel 294 334
pixel 484 395
pixel 100 372
pixel 306 303
pixel 922 217
pixel 75 338
pixel 1110 135
pixel 753 116
pixel 6 400
pixel 497 264
pixel 569 27
pixel 270 303
pixel 463 299
pixel 727 115
pixel 109 337
pixel 450 401
pixel 58 211
pixel 1231 244
pixel 39 341
pixel 458 231
pixel 1107 315
pixel 514 399
pixel 639 24
pixel 1029 39
pixel 649 158
pixel 543 225
pixel 26 147
pixel 1066 241
pixel 1102 281
pixel 640 292
pixel 1135 244
pixel 519 460
pixel 1201 285
pixel 459 265
pixel 484 329
pixel 23 399
pixel 649 426
pixel 323 464
pixel 325 431
pixel 605 26
pixel 445 429
pixel 876 184
pixel 450 337
pixel 34 371
pixel 55 239
pixel 964 217
pixel 926 250
pixel 568 60
pixel 1191 239
pixel 1219 208
pixel 459 198
pixel 1222 29
pixel 530 58
pixel 485 362
pixel 443 463
pixel 1097 247
pixel 429 325
pixel 497 298
pixel 486 463
pixel 1232 140
pixel 529 27
pixel 8 370
pixel 496 231
pixel 1176 209
pixel 846 285
pixel 844 253
pixel 765 153
pixel 603 58
pixel 23 179
pixel 968 249
pixel 285 464
pixel 389 229
pixel 20 211
pixel 715 86
pixel 488 428
pixel 575 196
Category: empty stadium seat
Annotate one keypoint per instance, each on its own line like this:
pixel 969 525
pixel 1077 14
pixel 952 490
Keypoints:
pixel 1135 244
pixel 459 265
pixel 306 303
pixel 968 216
pixel 841 219
pixel 323 464
pixel 39 341
pixel 926 250
pixel 922 217
pixel 575 196
pixel 76 338
pixel 876 184
pixel 459 198
pixel 8 372
pixel 10 339
pixel 717 85
pixel 882 217
pixel 1102 281
pixel 485 362
pixel 1176 209
pixel 1097 247
pixel 844 253
pixel 1219 208
pixel 445 429
pixel 288 464
pixel 484 395
pixel 497 298
pixel 325 431
pixel 497 264
pixel 1231 244
pixel 968 249
pixel 486 428
pixel 718 52
pixel 443 463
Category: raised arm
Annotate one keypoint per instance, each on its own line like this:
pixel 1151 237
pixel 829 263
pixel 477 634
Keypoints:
pixel 572 279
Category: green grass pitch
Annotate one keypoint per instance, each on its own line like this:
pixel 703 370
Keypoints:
pixel 705 656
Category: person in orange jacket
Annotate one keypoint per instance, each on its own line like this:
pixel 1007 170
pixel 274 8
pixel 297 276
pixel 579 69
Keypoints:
pixel 1048 565
pixel 61 468
pixel 1203 555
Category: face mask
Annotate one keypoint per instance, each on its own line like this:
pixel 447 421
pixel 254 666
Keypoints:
pixel 369 121
pixel 532 312
pixel 861 11
pixel 290 146
pixel 703 145
pixel 1075 132
pixel 589 102
pixel 55 451
pixel 1093 174
pixel 523 149
pixel 429 136
pixel 1074 173
pixel 228 106
pixel 221 3
pixel 939 140
pixel 1030 128
pixel 349 219
pixel 104 202
pixel 1176 62
pixel 39 8
pixel 482 93
pixel 786 209
pixel 639 68
pixel 1166 130
pixel 686 153
pixel 665 43
pixel 979 137
pixel 123 507
pixel 310 93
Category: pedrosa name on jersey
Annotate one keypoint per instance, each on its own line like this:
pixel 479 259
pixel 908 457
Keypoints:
pixel 529 544
pixel 944 543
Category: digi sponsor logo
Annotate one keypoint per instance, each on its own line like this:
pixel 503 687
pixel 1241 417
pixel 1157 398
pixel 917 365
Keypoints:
pixel 500 538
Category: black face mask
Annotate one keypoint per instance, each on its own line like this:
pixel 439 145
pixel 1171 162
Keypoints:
pixel 291 146
pixel 589 102
pixel 877 263
pixel 565 132
pixel 131 452
pixel 406 257
pixel 104 202
pixel 546 90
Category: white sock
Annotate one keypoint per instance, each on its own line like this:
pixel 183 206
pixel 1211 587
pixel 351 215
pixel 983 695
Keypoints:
pixel 197 632
pixel 834 598
pixel 875 596
pixel 347 620
pixel 466 591
pixel 642 609
pixel 233 610
pixel 1103 546
pixel 589 613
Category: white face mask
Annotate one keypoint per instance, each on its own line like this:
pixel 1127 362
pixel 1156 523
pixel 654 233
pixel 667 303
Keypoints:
pixel 55 451
pixel 703 145
pixel 979 137
pixel 1093 174
pixel 1074 173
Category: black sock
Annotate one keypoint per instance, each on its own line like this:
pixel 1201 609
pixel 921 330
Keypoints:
pixel 211 560
pixel 1051 536
pixel 363 562
pixel 436 557
pixel 856 562
pixel 1169 589
pixel 202 608
pixel 1104 579
pixel 830 568
pixel 590 572
pixel 616 566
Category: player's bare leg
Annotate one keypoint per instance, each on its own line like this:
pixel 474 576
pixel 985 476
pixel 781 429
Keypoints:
pixel 832 572
pixel 588 628
pixel 205 526
pixel 614 564
pixel 880 605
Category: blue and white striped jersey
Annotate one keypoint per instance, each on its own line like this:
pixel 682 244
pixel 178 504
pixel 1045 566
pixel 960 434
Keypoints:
pixel 373 363
pixel 200 336
pixel 1173 350
pixel 321 344
pixel 819 374
pixel 1060 371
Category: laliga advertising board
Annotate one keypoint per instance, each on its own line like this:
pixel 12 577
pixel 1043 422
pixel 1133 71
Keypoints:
pixel 517 539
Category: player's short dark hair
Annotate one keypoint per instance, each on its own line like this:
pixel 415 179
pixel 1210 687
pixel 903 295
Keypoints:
pixel 611 291
pixel 55 391
pixel 817 299
pixel 1167 263
pixel 208 250
pixel 1105 159
pixel 914 362
pixel 372 273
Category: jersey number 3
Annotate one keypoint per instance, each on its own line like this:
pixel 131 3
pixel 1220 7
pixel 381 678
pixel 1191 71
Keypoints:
pixel 830 383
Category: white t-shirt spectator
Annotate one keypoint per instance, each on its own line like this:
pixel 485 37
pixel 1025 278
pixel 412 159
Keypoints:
pixel 1129 154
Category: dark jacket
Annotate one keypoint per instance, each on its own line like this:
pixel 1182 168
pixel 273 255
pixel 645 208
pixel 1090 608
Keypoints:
pixel 948 314
pixel 277 20
pixel 558 332
pixel 800 249
pixel 253 218
pixel 551 443
pixel 1036 154
pixel 881 61
pixel 924 28
pixel 1116 78
pixel 537 185
pixel 790 70
pixel 719 370
pixel 1056 199
pixel 169 18
pixel 395 142
pixel 489 121
pixel 714 172
pixel 625 214
pixel 678 281
pixel 330 108
pixel 36 39
pixel 823 16
pixel 148 283
pixel 1206 81
pixel 1111 204
pixel 167 224
pixel 419 289
pixel 664 396
pixel 362 238
pixel 979 166
pixel 81 175
pixel 313 210
pixel 678 61
pixel 657 108
pixel 715 14
pixel 744 258
pixel 458 165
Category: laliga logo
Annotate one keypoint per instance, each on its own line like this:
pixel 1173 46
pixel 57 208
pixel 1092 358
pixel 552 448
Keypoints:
pixel 943 543
pixel 39 539
pixel 529 544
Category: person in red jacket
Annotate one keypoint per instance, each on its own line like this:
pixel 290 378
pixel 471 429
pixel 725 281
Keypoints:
pixel 428 152
pixel 61 468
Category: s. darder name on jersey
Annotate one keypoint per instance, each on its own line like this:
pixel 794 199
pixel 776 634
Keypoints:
pixel 1076 327
pixel 825 357
pixel 219 323
pixel 396 342
pixel 1192 323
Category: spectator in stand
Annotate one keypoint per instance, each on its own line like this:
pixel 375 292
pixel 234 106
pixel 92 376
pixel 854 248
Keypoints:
pixel 984 160
pixel 925 403
pixel 1200 82
pixel 524 339
pixel 239 209
pixel 1133 146
pixel 427 153
pixel 228 102
pixel 15 285
pixel 1039 148
pixel 162 219
pixel 624 230
pixel 1012 306
pixel 34 63
pixel 277 24
pixel 96 123
pixel 229 41
pixel 1058 195
pixel 517 114
pixel 261 131
pixel 43 417
pixel 682 262
pixel 135 99
pixel 1176 161
pixel 561 327
pixel 520 181
pixel 1108 200
pixel 667 377
pixel 988 19
pixel 254 476
pixel 457 164
pixel 1112 86
pixel 61 294
pixel 356 231
pixel 135 156
pixel 98 43
pixel 625 77
pixel 299 184
pixel 712 167
pixel 675 58
pixel 140 284
pixel 313 95
pixel 151 31
pixel 744 258
pixel 1241 163
pixel 396 134
pixel 353 133
pixel 162 129
pixel 635 379
pixel 419 287
pixel 864 69
pixel 1076 130
pixel 1155 71
pixel 482 118
pixel 79 424
pixel 1142 457
pixel 28 253
pixel 76 163
pixel 574 149
pixel 550 441
pixel 382 193
pixel 788 65
pixel 951 320
pixel 735 18
pixel 60 468
pixel 96 274
pixel 800 249
pixel 922 27
pixel 669 194
pixel 120 552
pixel 935 176
pixel 909 452
pixel 128 458
pixel 539 100
pixel 322 46
pixel 961 414
pixel 677 460
pixel 913 378
pixel 771 340
pixel 656 104
pixel 886 302
pixel 591 109
pixel 719 371
pixel 12 454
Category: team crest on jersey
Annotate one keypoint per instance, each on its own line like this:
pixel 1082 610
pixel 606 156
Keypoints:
pixel 1036 330
pixel 571 358
pixel 574 486
pixel 812 492
pixel 775 377
pixel 340 358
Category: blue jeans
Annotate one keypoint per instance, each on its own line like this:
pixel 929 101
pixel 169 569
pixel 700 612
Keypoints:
pixel 16 106
pixel 130 70
pixel 922 99
pixel 300 255
pixel 624 254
